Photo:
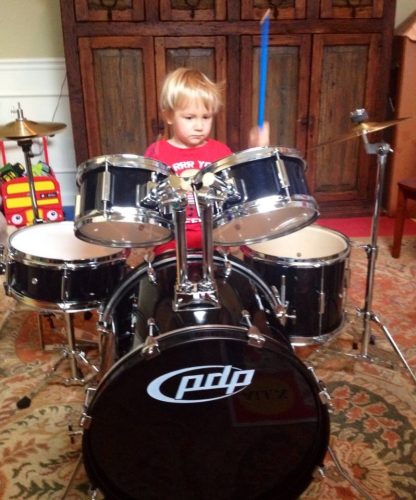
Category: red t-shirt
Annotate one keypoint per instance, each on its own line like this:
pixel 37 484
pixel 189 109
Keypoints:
pixel 185 162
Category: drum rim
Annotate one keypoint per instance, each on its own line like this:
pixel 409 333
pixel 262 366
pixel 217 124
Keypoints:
pixel 169 257
pixel 84 220
pixel 237 212
pixel 114 160
pixel 249 155
pixel 24 257
pixel 71 306
pixel 321 439
pixel 316 262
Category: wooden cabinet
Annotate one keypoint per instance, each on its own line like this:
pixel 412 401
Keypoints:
pixel 326 59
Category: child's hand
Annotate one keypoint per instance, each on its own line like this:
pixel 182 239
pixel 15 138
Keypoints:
pixel 259 136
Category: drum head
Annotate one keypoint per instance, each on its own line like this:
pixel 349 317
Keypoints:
pixel 124 228
pixel 264 220
pixel 307 246
pixel 56 242
pixel 211 416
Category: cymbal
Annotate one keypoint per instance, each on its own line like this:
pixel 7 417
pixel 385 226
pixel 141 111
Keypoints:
pixel 26 129
pixel 361 129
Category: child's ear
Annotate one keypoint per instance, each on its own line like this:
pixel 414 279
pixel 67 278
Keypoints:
pixel 167 116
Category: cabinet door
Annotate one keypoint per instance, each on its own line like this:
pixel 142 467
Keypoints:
pixel 342 80
pixel 119 93
pixel 120 10
pixel 204 53
pixel 287 88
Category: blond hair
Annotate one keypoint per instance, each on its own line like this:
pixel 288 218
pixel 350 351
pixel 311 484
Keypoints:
pixel 186 84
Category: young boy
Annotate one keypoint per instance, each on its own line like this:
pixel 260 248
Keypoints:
pixel 189 102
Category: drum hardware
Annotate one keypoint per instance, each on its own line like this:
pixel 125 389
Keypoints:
pixel 227 267
pixel 381 150
pixel 151 345
pixel 224 189
pixel 191 295
pixel 254 337
pixel 23 131
pixel 347 476
pixel 282 306
pixel 323 393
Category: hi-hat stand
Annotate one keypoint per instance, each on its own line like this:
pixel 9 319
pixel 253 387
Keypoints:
pixel 380 149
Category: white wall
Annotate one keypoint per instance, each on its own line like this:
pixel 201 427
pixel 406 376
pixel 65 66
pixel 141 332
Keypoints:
pixel 39 85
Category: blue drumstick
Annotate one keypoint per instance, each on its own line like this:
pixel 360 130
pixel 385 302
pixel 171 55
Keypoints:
pixel 264 23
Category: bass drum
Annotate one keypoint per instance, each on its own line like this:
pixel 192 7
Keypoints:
pixel 209 411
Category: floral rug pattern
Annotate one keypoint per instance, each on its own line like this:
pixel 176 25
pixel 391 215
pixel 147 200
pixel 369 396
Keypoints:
pixel 373 421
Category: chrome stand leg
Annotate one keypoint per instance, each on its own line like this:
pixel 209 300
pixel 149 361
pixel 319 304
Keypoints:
pixel 74 356
pixel 345 474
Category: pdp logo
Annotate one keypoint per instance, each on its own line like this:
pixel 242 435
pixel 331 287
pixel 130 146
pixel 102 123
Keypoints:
pixel 199 384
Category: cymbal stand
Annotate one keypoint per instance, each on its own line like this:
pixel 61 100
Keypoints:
pixel 381 150
pixel 26 145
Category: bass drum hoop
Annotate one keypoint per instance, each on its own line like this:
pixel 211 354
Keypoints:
pixel 167 258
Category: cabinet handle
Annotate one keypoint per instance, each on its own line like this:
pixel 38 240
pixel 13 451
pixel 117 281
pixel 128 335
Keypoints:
pixel 307 121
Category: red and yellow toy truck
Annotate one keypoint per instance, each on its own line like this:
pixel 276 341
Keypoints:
pixel 17 201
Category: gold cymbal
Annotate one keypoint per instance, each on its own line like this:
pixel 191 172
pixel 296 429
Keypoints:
pixel 26 129
pixel 362 129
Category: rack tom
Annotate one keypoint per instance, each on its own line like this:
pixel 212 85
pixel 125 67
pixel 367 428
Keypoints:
pixel 118 202
pixel 263 194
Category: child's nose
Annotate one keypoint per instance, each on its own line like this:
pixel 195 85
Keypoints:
pixel 199 124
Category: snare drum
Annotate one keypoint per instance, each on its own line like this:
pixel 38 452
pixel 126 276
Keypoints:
pixel 266 195
pixel 47 267
pixel 211 411
pixel 310 268
pixel 117 204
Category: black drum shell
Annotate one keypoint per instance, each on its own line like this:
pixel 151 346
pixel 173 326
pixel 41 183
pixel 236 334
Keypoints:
pixel 259 444
pixel 47 267
pixel 315 287
pixel 84 287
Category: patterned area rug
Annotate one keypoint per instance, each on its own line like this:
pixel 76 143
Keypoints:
pixel 372 446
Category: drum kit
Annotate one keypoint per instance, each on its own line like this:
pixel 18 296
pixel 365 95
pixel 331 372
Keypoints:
pixel 199 392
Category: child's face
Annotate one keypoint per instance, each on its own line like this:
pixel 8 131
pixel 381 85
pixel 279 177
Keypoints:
pixel 191 125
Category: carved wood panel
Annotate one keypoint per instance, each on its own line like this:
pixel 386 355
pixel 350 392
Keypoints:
pixel 118 90
pixel 279 9
pixel 342 81
pixel 353 9
pixel 204 53
pixel 109 10
pixel 192 10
